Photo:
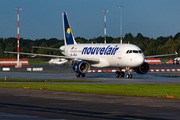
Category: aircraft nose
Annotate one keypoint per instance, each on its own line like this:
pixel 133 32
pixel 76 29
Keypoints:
pixel 139 60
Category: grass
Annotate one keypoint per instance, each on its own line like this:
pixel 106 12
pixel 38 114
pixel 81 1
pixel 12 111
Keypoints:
pixel 38 62
pixel 43 80
pixel 168 75
pixel 112 89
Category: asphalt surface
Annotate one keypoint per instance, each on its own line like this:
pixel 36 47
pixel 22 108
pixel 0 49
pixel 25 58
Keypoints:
pixel 37 104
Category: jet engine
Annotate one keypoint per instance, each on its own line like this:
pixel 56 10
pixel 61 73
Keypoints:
pixel 143 69
pixel 81 67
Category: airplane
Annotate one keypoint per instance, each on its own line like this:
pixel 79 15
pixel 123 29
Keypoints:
pixel 83 56
pixel 57 61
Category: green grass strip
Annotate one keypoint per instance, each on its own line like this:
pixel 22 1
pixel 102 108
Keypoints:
pixel 167 75
pixel 113 89
pixel 43 80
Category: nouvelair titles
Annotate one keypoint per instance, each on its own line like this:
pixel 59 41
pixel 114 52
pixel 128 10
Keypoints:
pixel 100 50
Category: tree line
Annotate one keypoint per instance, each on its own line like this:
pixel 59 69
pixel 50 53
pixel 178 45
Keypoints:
pixel 149 46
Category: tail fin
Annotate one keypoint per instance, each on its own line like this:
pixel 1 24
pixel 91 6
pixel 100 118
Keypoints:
pixel 68 35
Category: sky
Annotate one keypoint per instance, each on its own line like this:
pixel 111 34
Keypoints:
pixel 43 18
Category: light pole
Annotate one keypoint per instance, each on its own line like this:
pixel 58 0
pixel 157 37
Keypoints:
pixel 105 24
pixel 18 63
pixel 121 23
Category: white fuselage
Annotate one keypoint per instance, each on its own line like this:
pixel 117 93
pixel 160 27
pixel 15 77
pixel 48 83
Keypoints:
pixel 109 55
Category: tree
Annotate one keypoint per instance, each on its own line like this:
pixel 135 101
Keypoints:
pixel 139 38
pixel 169 42
pixel 128 38
pixel 177 36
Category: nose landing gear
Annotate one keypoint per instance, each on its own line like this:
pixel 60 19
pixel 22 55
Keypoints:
pixel 129 75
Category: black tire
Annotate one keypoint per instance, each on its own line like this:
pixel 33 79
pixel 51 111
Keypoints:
pixel 78 74
pixel 83 74
pixel 122 74
pixel 117 73
pixel 130 75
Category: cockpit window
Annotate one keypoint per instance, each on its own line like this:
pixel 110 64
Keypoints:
pixel 134 51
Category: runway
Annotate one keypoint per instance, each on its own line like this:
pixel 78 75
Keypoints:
pixel 106 78
pixel 39 104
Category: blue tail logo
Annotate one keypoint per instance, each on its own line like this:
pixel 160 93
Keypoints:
pixel 68 32
pixel 68 35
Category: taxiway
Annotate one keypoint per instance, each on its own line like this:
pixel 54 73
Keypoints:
pixel 39 104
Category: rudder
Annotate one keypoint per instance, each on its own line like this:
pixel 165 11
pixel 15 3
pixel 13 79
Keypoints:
pixel 68 35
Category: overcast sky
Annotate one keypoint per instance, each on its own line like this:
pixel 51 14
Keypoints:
pixel 43 18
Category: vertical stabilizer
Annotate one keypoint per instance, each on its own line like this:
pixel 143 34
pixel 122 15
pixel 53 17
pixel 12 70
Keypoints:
pixel 68 35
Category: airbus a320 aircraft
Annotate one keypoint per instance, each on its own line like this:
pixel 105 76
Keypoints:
pixel 83 56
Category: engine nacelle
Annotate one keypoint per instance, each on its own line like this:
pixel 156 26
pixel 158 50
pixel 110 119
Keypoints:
pixel 143 69
pixel 81 67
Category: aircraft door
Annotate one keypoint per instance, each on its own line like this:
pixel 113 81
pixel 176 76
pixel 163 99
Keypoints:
pixel 120 56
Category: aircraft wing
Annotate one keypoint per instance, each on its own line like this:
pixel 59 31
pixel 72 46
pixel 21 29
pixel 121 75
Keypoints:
pixel 90 60
pixel 34 55
pixel 155 56
pixel 47 48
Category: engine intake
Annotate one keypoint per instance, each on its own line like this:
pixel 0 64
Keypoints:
pixel 81 67
pixel 143 69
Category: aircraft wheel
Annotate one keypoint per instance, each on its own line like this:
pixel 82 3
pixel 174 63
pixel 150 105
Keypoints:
pixel 117 73
pixel 83 74
pixel 78 74
pixel 122 74
pixel 130 75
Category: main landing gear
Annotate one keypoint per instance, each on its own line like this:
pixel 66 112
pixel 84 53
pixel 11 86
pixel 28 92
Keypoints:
pixel 80 74
pixel 121 73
